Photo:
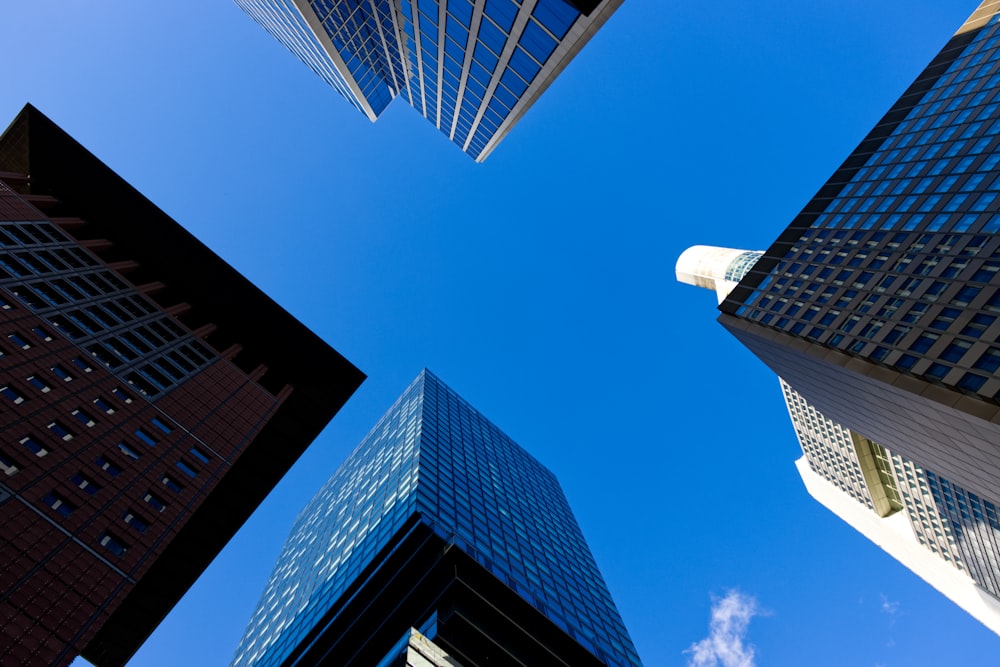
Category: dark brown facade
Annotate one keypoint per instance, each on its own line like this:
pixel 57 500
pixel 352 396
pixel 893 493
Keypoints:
pixel 150 397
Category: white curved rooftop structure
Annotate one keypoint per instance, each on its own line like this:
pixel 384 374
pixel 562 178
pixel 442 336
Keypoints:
pixel 715 268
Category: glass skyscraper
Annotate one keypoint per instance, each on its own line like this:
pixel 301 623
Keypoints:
pixel 890 499
pixel 880 301
pixel 470 67
pixel 437 521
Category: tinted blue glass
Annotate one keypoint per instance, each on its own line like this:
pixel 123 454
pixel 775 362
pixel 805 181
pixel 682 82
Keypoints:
pixel 555 15
pixel 492 36
pixel 380 43
pixel 434 454
pixel 934 177
pixel 503 12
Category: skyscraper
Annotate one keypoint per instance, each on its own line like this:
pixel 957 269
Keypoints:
pixel 150 397
pixel 470 67
pixel 888 498
pixel 437 522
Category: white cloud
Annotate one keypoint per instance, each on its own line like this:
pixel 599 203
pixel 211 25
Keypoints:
pixel 888 606
pixel 724 646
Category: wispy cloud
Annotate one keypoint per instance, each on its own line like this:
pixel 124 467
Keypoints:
pixel 888 606
pixel 724 646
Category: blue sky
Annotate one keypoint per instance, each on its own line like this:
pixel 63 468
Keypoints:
pixel 539 285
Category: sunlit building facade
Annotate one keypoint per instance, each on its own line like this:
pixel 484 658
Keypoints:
pixel 887 497
pixel 470 67
pixel 150 397
pixel 438 521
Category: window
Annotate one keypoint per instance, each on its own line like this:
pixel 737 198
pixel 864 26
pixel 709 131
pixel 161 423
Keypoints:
pixel 171 484
pixel 989 361
pixel 965 295
pixel 42 333
pixel 200 455
pixel 113 544
pixel 187 468
pixel 972 382
pixel 84 418
pixel 945 318
pixel 11 395
pixel 62 373
pixel 144 435
pixel 978 325
pixel 58 503
pixel 162 425
pixel 7 465
pixel 955 351
pixel 19 341
pixel 128 451
pixel 85 483
pixel 122 395
pixel 60 430
pixel 924 343
pixel 82 364
pixel 104 406
pixel 154 501
pixel 108 466
pixel 39 384
pixel 136 521
pixel 34 446
pixel 915 313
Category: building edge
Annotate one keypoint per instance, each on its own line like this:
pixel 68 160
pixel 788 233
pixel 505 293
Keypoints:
pixel 58 166
pixel 894 536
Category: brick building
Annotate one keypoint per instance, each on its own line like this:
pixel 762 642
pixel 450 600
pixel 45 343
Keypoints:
pixel 150 397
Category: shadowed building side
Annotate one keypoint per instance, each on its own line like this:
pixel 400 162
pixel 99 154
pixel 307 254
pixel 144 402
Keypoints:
pixel 151 397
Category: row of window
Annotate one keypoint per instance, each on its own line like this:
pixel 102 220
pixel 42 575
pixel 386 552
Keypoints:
pixel 18 234
pixel 974 520
pixel 98 310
